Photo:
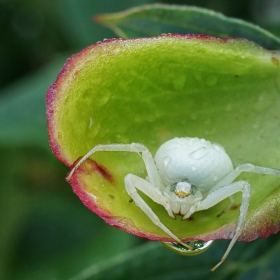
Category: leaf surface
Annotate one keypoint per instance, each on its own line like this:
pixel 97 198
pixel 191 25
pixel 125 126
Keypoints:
pixel 150 90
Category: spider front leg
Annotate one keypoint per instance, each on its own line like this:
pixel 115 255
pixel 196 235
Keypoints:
pixel 132 183
pixel 152 189
pixel 222 193
pixel 151 168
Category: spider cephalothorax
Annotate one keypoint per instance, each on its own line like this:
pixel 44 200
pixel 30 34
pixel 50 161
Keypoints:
pixel 181 196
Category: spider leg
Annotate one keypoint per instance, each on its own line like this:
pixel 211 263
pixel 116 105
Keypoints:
pixel 224 192
pixel 151 168
pixel 247 167
pixel 132 183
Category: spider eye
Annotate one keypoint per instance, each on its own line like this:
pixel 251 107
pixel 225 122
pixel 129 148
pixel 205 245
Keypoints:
pixel 182 189
pixel 182 194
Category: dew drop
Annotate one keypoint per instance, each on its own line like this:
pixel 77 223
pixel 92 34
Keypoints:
pixel 166 160
pixel 263 102
pixel 275 61
pixel 199 153
pixel 208 121
pixel 193 168
pixel 191 141
pixel 179 82
pixel 93 127
pixel 228 107
pixel 211 81
pixel 197 76
pixel 256 126
pixel 193 116
pixel 199 247
pixel 90 123
pixel 217 147
pixel 103 97
pixel 138 118
pixel 120 138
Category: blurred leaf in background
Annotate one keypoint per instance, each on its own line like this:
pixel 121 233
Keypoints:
pixel 152 20
pixel 45 231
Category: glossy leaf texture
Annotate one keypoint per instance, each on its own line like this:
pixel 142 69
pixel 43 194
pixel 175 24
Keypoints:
pixel 149 90
pixel 152 20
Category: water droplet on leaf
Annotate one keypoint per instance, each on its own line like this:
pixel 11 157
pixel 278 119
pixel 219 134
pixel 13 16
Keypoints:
pixel 179 82
pixel 199 247
pixel 211 80
pixel 228 107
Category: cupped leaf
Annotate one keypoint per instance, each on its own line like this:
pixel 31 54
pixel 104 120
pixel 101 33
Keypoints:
pixel 150 90
pixel 152 20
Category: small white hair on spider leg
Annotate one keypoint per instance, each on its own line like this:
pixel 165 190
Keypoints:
pixel 199 161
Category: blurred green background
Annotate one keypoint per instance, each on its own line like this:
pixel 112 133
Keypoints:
pixel 45 231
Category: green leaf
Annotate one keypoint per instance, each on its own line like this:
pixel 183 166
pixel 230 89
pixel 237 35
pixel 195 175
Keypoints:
pixel 152 20
pixel 153 89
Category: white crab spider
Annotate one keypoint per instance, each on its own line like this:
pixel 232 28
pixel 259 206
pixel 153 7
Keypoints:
pixel 187 175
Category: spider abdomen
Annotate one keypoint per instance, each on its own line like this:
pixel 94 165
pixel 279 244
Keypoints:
pixel 200 162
